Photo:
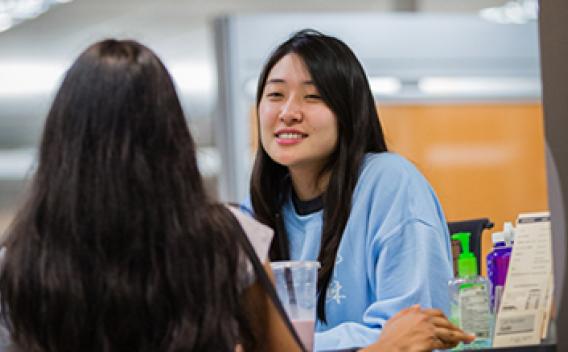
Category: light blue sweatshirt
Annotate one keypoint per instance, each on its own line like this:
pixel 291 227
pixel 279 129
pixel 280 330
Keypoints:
pixel 395 252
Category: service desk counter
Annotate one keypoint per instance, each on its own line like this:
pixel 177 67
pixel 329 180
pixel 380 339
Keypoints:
pixel 536 348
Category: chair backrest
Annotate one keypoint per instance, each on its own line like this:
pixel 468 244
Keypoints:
pixel 475 227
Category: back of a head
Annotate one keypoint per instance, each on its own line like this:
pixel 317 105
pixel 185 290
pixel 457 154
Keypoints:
pixel 118 107
pixel 117 247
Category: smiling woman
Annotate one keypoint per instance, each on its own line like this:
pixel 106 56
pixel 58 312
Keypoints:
pixel 298 129
pixel 324 181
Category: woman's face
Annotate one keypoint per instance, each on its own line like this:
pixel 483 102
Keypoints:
pixel 297 129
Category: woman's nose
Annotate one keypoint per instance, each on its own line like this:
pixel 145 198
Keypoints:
pixel 291 111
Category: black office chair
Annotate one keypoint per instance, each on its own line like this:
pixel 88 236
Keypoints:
pixel 476 228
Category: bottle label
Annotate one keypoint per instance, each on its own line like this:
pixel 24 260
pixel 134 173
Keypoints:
pixel 474 311
pixel 498 294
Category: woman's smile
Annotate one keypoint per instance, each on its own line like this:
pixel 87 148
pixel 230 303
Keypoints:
pixel 297 128
pixel 289 136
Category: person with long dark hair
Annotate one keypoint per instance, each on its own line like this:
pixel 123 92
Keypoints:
pixel 325 181
pixel 118 247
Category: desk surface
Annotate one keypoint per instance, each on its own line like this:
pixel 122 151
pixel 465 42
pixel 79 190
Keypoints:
pixel 536 348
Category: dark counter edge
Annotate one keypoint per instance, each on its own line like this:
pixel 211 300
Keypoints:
pixel 535 348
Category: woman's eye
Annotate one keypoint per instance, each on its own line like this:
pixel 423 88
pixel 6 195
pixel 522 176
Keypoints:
pixel 274 94
pixel 313 96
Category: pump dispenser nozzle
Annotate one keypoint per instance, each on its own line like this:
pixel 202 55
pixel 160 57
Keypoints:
pixel 508 233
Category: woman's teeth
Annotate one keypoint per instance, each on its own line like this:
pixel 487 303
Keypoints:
pixel 290 135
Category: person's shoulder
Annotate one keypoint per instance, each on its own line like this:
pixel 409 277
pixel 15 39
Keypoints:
pixel 258 234
pixel 245 218
pixel 386 177
pixel 388 165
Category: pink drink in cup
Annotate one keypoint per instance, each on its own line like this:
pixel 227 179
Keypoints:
pixel 296 283
pixel 305 330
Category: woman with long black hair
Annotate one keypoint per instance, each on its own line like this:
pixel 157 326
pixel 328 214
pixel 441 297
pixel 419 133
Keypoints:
pixel 324 180
pixel 118 247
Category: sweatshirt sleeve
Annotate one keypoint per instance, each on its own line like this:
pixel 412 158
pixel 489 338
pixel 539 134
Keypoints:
pixel 409 266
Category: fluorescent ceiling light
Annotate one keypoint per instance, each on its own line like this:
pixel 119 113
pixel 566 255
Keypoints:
pixel 379 86
pixel 29 78
pixel 14 11
pixel 17 79
pixel 26 9
pixel 18 164
pixel 513 12
pixel 385 85
pixel 478 85
pixel 5 22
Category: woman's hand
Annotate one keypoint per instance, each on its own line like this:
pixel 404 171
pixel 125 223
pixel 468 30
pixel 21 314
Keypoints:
pixel 416 330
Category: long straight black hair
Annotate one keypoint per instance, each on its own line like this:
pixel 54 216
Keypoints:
pixel 118 247
pixel 343 86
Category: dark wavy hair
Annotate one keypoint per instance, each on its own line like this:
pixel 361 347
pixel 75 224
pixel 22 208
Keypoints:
pixel 117 247
pixel 343 86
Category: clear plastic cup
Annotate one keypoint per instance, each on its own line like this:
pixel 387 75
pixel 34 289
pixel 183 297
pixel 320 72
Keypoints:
pixel 296 285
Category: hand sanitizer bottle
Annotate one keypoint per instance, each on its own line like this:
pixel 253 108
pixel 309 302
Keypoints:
pixel 469 295
pixel 498 264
